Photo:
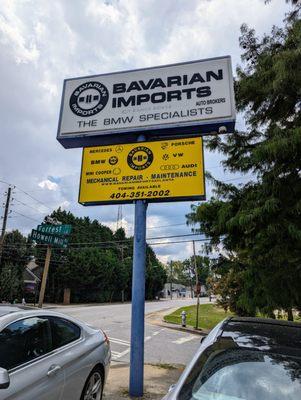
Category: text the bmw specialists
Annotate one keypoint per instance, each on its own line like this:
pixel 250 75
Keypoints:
pixel 181 95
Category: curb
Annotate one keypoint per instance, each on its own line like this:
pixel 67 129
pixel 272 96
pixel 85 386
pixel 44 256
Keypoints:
pixel 180 328
pixel 160 322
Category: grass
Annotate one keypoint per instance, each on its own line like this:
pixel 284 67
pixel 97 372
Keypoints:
pixel 209 316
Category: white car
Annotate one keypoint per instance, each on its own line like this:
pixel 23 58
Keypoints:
pixel 45 355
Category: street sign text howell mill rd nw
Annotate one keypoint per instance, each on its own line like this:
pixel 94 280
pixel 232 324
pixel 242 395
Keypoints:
pixel 58 241
pixel 169 170
pixel 173 100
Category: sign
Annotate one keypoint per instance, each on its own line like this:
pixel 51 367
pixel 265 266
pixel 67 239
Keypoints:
pixel 30 287
pixel 55 229
pixel 173 100
pixel 170 170
pixel 40 237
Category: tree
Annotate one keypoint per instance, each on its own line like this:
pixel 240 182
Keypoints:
pixel 183 272
pixel 97 265
pixel 13 260
pixel 258 223
pixel 155 275
pixel 15 249
pixel 11 283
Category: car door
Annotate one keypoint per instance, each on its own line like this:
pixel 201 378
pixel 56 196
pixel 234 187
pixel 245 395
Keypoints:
pixel 74 351
pixel 26 352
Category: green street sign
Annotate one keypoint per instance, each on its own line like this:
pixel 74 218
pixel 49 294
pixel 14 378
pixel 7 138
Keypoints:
pixel 45 238
pixel 55 229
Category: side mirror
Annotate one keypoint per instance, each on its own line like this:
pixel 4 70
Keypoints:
pixel 4 379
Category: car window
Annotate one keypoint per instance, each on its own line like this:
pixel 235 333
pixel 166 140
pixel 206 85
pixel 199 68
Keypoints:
pixel 63 332
pixel 23 341
pixel 239 374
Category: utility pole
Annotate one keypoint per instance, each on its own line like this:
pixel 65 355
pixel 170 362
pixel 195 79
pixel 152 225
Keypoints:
pixel 45 275
pixel 5 220
pixel 170 280
pixel 197 287
pixel 122 260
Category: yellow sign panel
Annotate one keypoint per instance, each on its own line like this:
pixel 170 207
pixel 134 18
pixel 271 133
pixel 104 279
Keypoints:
pixel 169 170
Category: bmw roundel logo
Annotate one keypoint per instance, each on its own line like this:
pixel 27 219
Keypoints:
pixel 89 99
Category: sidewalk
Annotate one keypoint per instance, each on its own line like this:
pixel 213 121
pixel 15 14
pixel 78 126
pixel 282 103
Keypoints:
pixel 157 380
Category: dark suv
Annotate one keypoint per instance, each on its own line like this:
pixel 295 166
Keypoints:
pixel 245 359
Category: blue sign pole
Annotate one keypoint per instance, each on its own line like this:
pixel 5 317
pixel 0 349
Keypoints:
pixel 138 299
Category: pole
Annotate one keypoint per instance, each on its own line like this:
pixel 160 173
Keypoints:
pixel 170 280
pixel 197 287
pixel 5 220
pixel 45 275
pixel 122 259
pixel 138 299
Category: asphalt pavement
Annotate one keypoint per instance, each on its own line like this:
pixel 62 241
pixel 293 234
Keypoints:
pixel 162 345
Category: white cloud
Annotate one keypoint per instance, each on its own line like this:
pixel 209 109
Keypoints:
pixel 43 42
pixel 64 205
pixel 103 12
pixel 47 184
pixel 163 259
pixel 124 223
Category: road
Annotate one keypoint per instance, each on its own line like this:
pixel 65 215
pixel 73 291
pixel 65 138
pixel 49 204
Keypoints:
pixel 162 345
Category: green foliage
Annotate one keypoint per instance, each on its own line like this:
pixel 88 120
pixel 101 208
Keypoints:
pixel 14 249
pixel 13 258
pixel 183 272
pixel 97 266
pixel 11 283
pixel 258 223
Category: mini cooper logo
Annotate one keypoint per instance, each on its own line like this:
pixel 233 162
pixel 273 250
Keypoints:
pixel 89 99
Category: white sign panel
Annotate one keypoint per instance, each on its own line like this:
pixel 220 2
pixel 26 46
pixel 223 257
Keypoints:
pixel 163 99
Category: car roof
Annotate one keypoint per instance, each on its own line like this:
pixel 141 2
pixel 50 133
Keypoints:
pixel 10 313
pixel 262 334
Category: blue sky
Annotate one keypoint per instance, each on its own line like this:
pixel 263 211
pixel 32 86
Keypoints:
pixel 43 42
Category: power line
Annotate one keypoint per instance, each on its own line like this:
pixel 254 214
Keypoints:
pixel 27 205
pixel 35 199
pixel 27 194
pixel 166 226
pixel 114 242
pixel 7 183
pixel 237 179
pixel 180 241
pixel 174 236
pixel 25 216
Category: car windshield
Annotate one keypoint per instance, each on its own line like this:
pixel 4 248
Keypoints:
pixel 237 374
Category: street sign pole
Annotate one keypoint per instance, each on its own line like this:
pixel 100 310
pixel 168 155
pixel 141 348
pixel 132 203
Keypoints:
pixel 45 275
pixel 138 299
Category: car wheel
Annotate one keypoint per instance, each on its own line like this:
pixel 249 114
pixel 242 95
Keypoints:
pixel 94 386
